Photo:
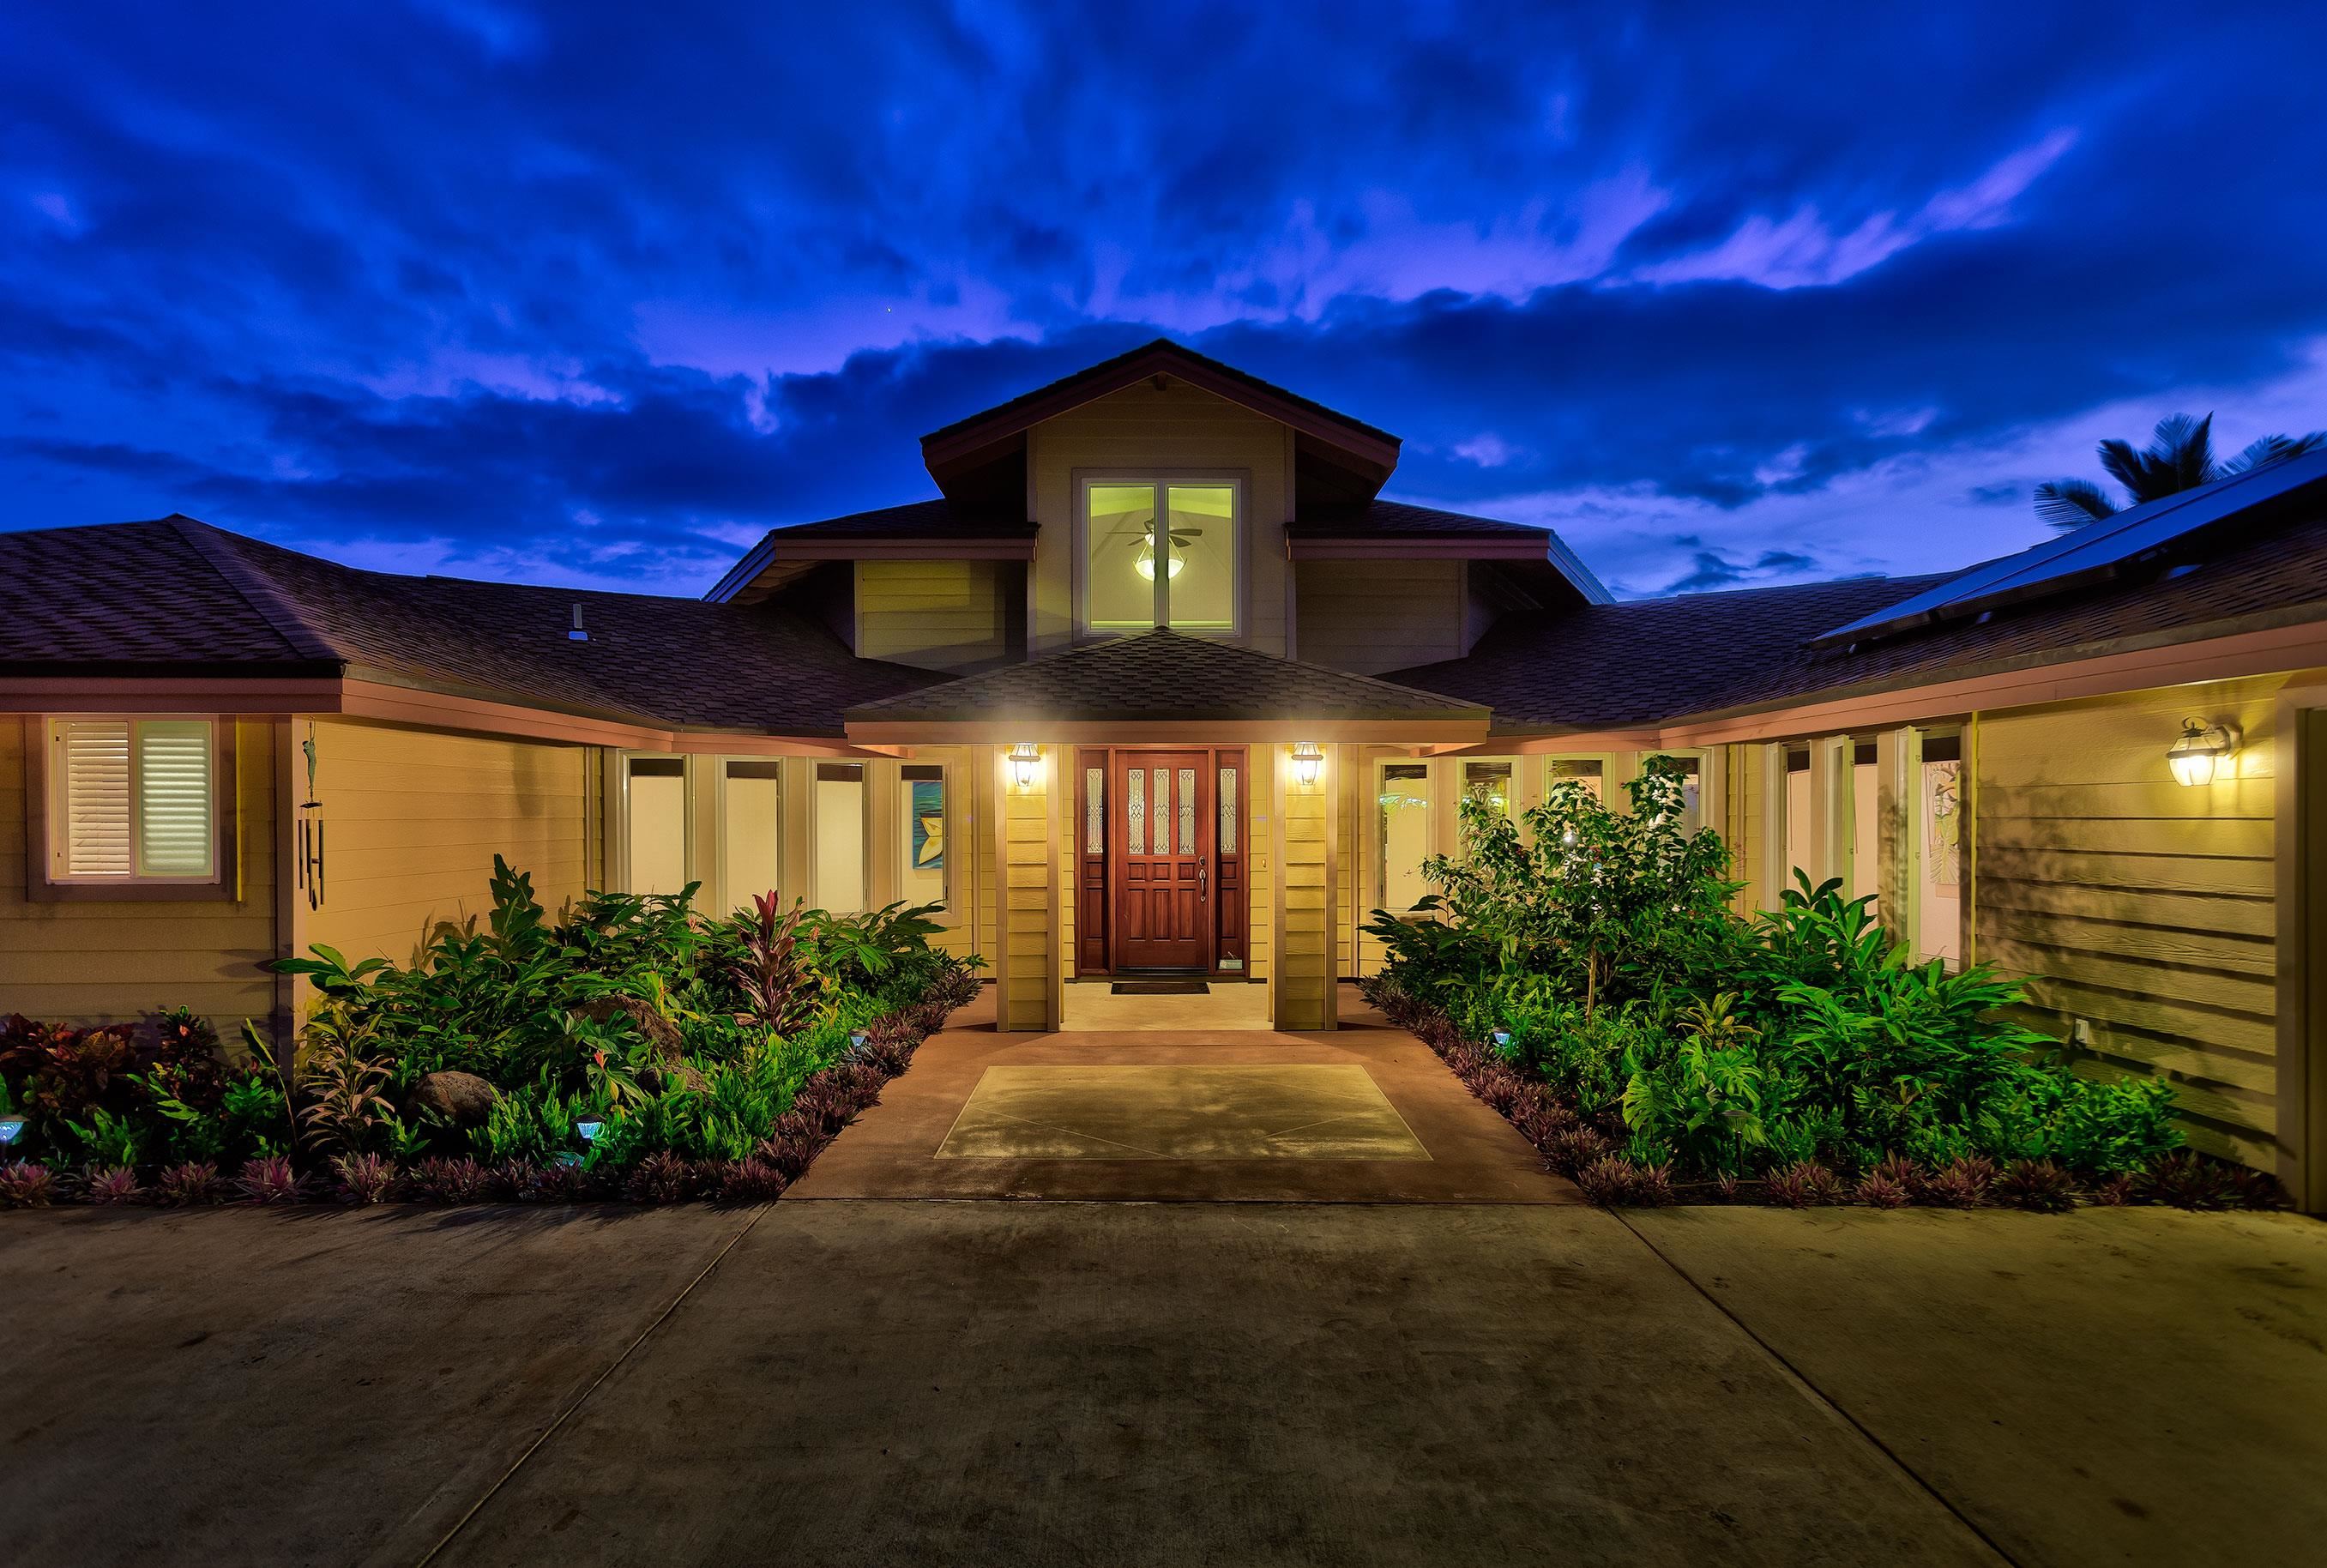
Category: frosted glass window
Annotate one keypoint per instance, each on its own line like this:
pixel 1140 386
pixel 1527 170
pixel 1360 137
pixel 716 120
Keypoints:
pixel 657 825
pixel 1162 805
pixel 751 829
pixel 921 790
pixel 1202 536
pixel 1227 811
pixel 1402 833
pixel 1095 811
pixel 839 837
pixel 1119 563
pixel 1135 812
pixel 1865 828
pixel 134 798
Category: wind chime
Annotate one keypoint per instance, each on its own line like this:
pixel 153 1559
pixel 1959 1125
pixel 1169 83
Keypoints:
pixel 311 831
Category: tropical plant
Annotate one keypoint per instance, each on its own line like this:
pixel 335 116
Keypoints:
pixel 2180 456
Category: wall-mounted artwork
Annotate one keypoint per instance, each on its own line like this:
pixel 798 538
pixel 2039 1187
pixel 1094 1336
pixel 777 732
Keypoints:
pixel 929 824
pixel 1943 856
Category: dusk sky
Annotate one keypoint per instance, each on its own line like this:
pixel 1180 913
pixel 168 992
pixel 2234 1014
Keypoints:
pixel 595 293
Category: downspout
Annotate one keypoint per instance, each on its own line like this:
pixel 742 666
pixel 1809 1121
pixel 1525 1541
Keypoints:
pixel 1971 841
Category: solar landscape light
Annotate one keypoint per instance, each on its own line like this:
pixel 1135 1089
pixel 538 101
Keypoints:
pixel 11 1129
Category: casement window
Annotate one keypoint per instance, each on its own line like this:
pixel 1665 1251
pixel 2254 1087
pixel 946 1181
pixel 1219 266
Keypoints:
pixel 1159 552
pixel 134 801
pixel 1692 786
pixel 1937 856
pixel 924 868
pixel 1493 779
pixel 1402 833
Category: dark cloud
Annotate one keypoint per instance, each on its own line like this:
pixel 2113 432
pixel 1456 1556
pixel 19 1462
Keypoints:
pixel 590 292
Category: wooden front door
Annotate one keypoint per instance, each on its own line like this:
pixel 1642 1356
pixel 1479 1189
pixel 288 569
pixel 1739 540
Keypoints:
pixel 1162 853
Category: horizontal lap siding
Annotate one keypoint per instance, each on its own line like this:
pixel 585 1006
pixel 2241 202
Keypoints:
pixel 111 962
pixel 412 819
pixel 1028 943
pixel 1377 616
pixel 2135 903
pixel 1305 970
pixel 942 615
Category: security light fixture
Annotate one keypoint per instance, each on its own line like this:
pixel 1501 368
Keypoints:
pixel 1308 761
pixel 2197 756
pixel 1025 757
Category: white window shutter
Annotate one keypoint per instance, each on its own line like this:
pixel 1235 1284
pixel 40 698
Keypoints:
pixel 173 798
pixel 96 765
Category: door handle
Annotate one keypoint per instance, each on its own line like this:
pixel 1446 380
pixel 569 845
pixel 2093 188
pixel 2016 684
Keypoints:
pixel 1203 881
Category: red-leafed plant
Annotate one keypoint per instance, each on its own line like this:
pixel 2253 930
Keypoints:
pixel 27 1184
pixel 779 990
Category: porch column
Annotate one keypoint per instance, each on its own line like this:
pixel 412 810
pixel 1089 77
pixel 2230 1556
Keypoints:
pixel 1025 947
pixel 1303 995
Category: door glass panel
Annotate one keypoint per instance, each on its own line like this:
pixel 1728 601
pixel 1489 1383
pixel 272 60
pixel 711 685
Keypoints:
pixel 1201 540
pixel 1228 810
pixel 1402 833
pixel 1187 811
pixel 1120 568
pixel 1136 814
pixel 1094 811
pixel 1163 810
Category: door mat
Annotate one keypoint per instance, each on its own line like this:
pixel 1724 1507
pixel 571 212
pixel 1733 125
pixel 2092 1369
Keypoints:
pixel 1159 988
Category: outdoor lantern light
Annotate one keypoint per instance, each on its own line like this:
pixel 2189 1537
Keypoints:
pixel 2199 754
pixel 1308 761
pixel 11 1129
pixel 1024 758
pixel 589 1130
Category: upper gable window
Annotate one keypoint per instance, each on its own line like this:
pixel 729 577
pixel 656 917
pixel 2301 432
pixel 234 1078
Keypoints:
pixel 1160 553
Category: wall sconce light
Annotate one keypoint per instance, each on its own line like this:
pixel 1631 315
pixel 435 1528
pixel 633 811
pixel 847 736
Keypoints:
pixel 1308 761
pixel 2197 757
pixel 1025 757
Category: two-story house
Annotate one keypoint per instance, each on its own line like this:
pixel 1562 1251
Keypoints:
pixel 1158 683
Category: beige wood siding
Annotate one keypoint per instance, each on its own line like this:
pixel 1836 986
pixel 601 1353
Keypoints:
pixel 1304 977
pixel 2132 902
pixel 412 819
pixel 1376 616
pixel 1142 429
pixel 943 615
pixel 115 961
pixel 1028 962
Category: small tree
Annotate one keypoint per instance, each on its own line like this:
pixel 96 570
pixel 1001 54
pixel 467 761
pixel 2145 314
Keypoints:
pixel 1605 903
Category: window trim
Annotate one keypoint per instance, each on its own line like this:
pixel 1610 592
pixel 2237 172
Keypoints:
pixel 1238 479
pixel 223 883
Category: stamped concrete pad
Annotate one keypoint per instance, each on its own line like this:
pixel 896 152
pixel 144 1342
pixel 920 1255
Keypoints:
pixel 1290 1111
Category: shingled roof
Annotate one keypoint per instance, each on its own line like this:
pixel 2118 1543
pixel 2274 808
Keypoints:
pixel 177 597
pixel 1159 676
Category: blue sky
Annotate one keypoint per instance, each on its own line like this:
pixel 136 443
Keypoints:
pixel 594 293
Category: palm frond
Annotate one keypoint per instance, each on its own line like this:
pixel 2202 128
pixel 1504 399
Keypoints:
pixel 2072 503
pixel 2183 452
pixel 2270 449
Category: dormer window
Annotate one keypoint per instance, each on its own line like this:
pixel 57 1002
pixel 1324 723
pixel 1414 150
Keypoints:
pixel 1160 552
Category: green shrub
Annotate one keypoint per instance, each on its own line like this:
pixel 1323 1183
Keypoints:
pixel 1603 944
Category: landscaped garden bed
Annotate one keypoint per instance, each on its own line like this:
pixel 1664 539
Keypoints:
pixel 636 1049
pixel 1589 980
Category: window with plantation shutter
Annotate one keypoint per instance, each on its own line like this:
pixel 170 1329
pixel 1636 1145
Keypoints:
pixel 133 799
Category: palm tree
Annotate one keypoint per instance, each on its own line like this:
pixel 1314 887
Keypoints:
pixel 2180 456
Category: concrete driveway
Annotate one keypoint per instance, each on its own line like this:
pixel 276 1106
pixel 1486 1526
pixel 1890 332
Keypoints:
pixel 888 1382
